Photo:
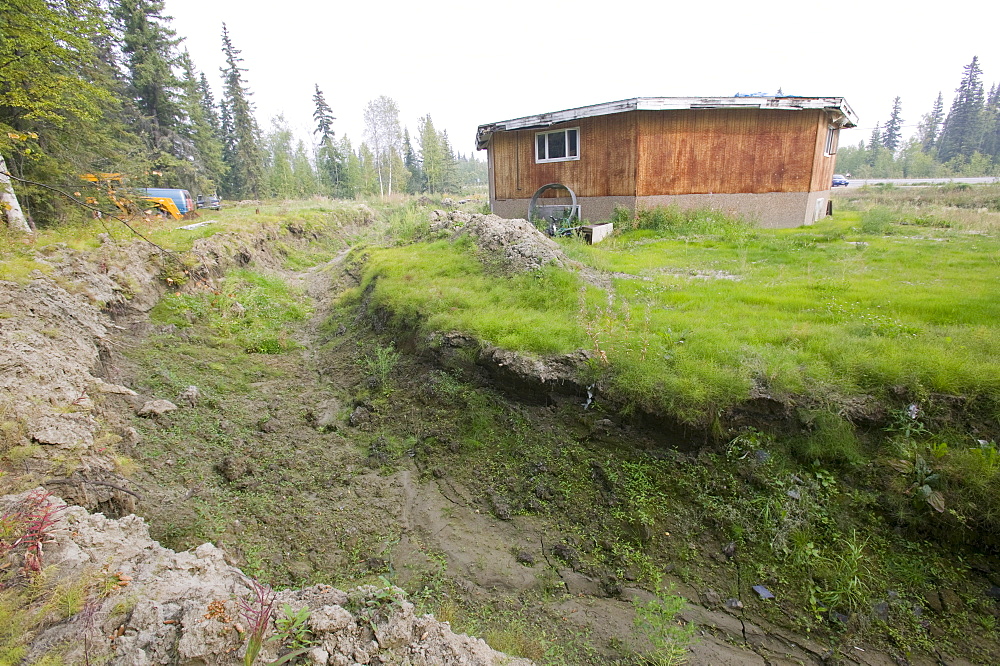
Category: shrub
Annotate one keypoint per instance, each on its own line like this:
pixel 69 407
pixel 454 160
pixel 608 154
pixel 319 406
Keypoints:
pixel 876 221
pixel 657 620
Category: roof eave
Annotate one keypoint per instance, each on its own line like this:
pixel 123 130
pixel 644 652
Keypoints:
pixel 842 114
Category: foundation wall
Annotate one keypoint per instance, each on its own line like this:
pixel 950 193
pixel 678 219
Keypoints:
pixel 592 209
pixel 772 210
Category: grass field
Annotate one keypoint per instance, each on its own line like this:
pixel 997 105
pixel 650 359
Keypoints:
pixel 701 313
pixel 879 338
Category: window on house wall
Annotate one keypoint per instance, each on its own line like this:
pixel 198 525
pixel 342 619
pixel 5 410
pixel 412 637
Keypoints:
pixel 831 141
pixel 558 146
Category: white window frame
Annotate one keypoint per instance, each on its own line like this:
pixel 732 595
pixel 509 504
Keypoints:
pixel 565 132
pixel 832 139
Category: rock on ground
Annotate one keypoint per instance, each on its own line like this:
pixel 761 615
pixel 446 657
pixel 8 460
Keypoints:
pixel 163 607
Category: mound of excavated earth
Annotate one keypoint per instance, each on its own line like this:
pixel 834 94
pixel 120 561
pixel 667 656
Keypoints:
pixel 146 604
pixel 521 246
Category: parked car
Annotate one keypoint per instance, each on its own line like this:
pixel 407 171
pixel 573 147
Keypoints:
pixel 211 201
pixel 181 198
pixel 839 180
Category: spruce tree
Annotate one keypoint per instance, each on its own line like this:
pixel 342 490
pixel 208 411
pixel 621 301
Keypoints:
pixel 200 133
pixel 323 115
pixel 304 177
pixel 208 105
pixel 930 125
pixel 412 164
pixel 278 143
pixel 431 155
pixel 892 134
pixel 962 132
pixel 149 47
pixel 449 171
pixel 241 134
pixel 991 136
pixel 874 144
pixel 60 109
pixel 329 159
pixel 471 172
pixel 351 177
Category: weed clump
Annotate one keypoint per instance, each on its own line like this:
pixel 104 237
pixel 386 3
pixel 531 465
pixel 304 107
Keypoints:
pixel 672 221
pixel 657 620
pixel 876 221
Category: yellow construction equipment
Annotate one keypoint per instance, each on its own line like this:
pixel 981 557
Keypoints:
pixel 127 204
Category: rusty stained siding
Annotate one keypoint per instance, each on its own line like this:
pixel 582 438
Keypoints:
pixel 607 164
pixel 823 165
pixel 727 151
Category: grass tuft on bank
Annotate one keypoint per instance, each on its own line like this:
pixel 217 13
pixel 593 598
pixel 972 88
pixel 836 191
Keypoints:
pixel 442 286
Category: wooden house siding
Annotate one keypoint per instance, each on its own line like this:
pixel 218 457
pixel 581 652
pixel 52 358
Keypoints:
pixel 727 151
pixel 645 153
pixel 607 164
pixel 823 164
pixel 762 157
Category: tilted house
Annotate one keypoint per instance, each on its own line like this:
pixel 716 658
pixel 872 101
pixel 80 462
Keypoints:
pixel 766 158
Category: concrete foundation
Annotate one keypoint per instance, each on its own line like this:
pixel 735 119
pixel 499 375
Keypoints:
pixel 770 210
pixel 595 233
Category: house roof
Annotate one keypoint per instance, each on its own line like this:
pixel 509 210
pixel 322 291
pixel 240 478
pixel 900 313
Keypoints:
pixel 843 114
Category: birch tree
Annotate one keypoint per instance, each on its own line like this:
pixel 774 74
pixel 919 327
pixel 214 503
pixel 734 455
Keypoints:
pixel 10 209
pixel 384 138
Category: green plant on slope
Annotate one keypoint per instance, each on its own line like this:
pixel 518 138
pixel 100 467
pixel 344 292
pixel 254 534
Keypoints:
pixel 256 609
pixel 293 627
pixel 380 362
pixel 849 576
pixel 923 478
pixel 671 638
pixel 27 600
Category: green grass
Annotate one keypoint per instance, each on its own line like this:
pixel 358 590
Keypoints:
pixel 441 286
pixel 705 310
pixel 959 206
pixel 252 309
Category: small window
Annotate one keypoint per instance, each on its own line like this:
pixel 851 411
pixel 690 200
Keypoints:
pixel 558 146
pixel 831 141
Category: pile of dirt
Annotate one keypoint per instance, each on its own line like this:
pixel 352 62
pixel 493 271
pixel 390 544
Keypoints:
pixel 520 245
pixel 146 604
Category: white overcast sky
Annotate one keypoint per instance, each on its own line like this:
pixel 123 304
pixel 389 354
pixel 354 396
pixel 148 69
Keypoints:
pixel 467 63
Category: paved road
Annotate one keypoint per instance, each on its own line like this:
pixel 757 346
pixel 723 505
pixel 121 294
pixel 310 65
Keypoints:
pixel 860 182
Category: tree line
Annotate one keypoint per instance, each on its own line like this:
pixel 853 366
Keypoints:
pixel 963 142
pixel 98 86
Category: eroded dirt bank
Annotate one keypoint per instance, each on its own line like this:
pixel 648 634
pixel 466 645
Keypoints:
pixel 359 453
